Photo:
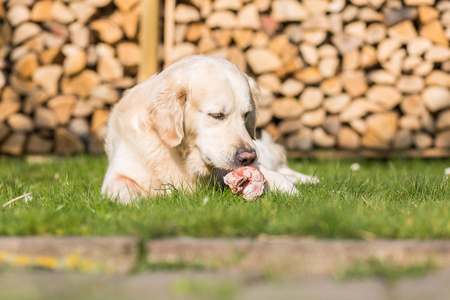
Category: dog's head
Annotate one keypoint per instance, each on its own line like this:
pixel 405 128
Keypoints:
pixel 207 105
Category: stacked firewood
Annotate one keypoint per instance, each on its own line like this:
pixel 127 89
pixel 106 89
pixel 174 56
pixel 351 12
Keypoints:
pixel 334 74
pixel 62 64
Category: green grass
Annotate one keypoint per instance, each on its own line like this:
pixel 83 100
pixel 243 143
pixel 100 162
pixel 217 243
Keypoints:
pixel 384 199
pixel 384 270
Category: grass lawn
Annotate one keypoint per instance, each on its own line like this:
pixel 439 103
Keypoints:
pixel 384 199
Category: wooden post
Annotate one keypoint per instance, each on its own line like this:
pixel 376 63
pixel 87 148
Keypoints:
pixel 149 39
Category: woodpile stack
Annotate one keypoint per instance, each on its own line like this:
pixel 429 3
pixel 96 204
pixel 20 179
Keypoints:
pixel 353 75
pixel 367 76
pixel 62 64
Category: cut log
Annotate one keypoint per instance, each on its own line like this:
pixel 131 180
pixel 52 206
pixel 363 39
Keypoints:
pixel 382 77
pixel 61 13
pixel 38 145
pixel 442 139
pixel 75 60
pixel 368 56
pixel 434 32
pixel 99 119
pixel 311 98
pixel 422 140
pixel 412 105
pixel 27 65
pixel 438 54
pixel 24 32
pixel 44 118
pixel 20 123
pixel 48 77
pixel 41 11
pixel 313 118
pixel 105 93
pixel 18 14
pixel 337 103
pixel 82 109
pixel 14 144
pixel 79 35
pixel 410 122
pixel 350 60
pixel 242 37
pixel 310 75
pixel 332 125
pixel 288 11
pixel 354 82
pixel 186 14
pixel 385 95
pixel 358 108
pixel 376 32
pixel 381 130
pixel 7 108
pixel 328 66
pixel 109 69
pixel 67 143
pixel 62 106
pixel 436 98
pixel 291 87
pixel 438 77
pixel 356 29
pixel 394 65
pixel 315 37
pixel 270 81
pixel 443 120
pixel 302 140
pixel 262 60
pixel 348 139
pixel 287 108
pixel 227 4
pixel 129 54
pixel 81 84
pixel 410 84
pixel 386 49
pixel 221 19
pixel 81 10
pixel 248 17
pixel 427 14
pixel 403 31
pixel 125 5
pixel 129 24
pixel 289 126
pixel 418 2
pixel 359 126
pixel 309 53
pixel 108 31
pixel 418 45
pixel 264 117
pixel 322 139
pixel 346 43
pixel 331 86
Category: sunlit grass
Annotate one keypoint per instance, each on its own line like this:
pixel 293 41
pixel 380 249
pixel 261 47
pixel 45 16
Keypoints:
pixel 384 199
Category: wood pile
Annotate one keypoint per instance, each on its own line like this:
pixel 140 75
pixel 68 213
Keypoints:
pixel 62 65
pixel 334 74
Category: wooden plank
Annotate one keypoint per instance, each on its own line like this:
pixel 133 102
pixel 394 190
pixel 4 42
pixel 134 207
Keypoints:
pixel 149 39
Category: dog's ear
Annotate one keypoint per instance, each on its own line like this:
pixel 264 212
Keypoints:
pixel 167 114
pixel 250 122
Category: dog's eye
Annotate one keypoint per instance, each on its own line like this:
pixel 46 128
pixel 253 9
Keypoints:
pixel 246 115
pixel 217 116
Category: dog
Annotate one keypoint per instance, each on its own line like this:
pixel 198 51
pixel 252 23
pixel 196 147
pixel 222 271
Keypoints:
pixel 186 127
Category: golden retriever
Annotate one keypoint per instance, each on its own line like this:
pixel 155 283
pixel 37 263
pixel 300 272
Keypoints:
pixel 188 126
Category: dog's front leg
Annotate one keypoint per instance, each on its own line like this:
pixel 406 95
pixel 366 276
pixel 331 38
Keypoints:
pixel 276 182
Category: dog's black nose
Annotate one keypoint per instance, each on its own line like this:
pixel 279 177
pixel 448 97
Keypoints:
pixel 245 157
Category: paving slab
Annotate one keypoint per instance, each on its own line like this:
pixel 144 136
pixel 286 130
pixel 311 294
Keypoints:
pixel 295 255
pixel 215 285
pixel 96 254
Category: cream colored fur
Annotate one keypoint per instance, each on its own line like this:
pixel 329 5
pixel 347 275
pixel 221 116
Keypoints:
pixel 163 135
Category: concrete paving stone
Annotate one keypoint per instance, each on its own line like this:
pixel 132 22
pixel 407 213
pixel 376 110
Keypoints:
pixel 295 255
pixel 215 285
pixel 106 254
